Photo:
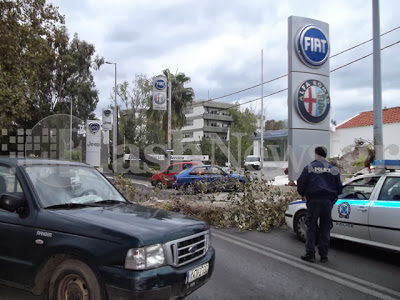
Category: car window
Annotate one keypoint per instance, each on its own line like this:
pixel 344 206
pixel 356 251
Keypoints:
pixel 186 166
pixel 359 188
pixel 390 189
pixel 198 171
pixel 174 168
pixel 216 171
pixel 9 182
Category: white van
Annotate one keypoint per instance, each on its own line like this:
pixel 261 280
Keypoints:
pixel 252 162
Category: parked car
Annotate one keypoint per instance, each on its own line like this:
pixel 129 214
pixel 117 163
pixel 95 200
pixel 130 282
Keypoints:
pixel 65 230
pixel 252 162
pixel 368 210
pixel 208 178
pixel 167 177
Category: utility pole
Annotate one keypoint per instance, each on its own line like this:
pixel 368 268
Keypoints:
pixel 262 118
pixel 377 90
pixel 169 150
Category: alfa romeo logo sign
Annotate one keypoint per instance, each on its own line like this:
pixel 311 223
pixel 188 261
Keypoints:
pixel 313 101
pixel 312 46
pixel 160 98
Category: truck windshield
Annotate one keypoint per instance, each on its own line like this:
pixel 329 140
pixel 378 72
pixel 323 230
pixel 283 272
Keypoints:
pixel 63 184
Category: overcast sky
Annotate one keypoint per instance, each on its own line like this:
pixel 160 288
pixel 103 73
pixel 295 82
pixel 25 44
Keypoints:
pixel 218 45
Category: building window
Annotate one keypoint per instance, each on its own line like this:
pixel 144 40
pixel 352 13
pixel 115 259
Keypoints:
pixel 188 111
pixel 188 135
pixel 189 122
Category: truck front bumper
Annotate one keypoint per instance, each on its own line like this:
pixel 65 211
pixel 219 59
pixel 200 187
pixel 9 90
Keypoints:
pixel 162 283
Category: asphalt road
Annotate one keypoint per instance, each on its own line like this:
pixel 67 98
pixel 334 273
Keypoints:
pixel 255 265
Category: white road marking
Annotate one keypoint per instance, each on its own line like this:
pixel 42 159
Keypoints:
pixel 336 276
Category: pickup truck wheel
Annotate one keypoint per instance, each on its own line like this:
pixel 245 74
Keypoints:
pixel 300 226
pixel 74 280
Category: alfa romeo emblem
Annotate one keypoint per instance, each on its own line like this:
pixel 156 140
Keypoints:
pixel 160 98
pixel 313 101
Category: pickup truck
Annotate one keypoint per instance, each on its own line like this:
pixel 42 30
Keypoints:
pixel 67 232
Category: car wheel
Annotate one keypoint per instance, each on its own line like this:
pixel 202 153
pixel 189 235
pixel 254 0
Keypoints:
pixel 73 279
pixel 300 226
pixel 240 186
pixel 190 189
pixel 160 185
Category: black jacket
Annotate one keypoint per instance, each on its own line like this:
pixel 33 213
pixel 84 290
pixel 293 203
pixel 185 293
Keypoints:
pixel 320 179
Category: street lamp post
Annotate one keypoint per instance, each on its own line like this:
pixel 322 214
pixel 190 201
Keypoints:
pixel 114 119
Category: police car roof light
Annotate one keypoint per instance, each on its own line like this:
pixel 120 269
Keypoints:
pixel 388 164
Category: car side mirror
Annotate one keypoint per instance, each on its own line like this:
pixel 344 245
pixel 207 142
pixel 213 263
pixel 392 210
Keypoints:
pixel 11 202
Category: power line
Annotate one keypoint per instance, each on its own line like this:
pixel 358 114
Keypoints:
pixel 363 43
pixel 277 78
pixel 338 68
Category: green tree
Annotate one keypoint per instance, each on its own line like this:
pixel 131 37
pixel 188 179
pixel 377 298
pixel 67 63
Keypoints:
pixel 133 122
pixel 275 125
pixel 244 124
pixel 41 72
pixel 28 28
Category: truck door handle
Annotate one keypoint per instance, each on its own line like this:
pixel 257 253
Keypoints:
pixel 362 208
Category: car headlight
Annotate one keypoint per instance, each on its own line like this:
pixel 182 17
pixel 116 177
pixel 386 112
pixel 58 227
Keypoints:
pixel 149 257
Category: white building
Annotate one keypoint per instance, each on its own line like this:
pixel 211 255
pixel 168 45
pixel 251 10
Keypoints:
pixel 206 119
pixel 360 127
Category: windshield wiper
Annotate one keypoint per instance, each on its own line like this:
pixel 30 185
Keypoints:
pixel 70 205
pixel 109 202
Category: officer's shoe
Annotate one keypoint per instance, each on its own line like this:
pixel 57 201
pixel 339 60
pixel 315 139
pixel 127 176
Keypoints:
pixel 308 258
pixel 324 259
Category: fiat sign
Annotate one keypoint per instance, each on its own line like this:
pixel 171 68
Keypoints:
pixel 312 46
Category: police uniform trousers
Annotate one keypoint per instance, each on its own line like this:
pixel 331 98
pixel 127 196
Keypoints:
pixel 318 208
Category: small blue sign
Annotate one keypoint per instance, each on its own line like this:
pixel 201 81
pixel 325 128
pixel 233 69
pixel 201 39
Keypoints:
pixel 160 84
pixel 312 46
pixel 107 112
pixel 94 127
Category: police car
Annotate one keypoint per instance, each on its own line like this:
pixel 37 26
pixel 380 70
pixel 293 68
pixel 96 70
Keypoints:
pixel 368 210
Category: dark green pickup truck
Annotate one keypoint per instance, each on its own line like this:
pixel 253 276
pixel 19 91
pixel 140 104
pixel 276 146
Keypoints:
pixel 67 232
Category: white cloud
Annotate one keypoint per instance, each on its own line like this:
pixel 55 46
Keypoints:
pixel 218 45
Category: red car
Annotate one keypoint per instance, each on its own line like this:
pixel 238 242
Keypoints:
pixel 166 178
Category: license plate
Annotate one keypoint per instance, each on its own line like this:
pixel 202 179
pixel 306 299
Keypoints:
pixel 196 273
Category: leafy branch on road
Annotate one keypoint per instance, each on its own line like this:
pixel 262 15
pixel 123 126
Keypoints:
pixel 260 206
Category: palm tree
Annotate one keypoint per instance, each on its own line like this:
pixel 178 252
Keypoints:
pixel 181 98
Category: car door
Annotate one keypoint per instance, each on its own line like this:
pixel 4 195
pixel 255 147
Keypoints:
pixel 350 212
pixel 171 172
pixel 17 234
pixel 384 213
pixel 198 176
pixel 219 179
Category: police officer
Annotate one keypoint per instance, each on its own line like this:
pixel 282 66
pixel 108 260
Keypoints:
pixel 320 185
